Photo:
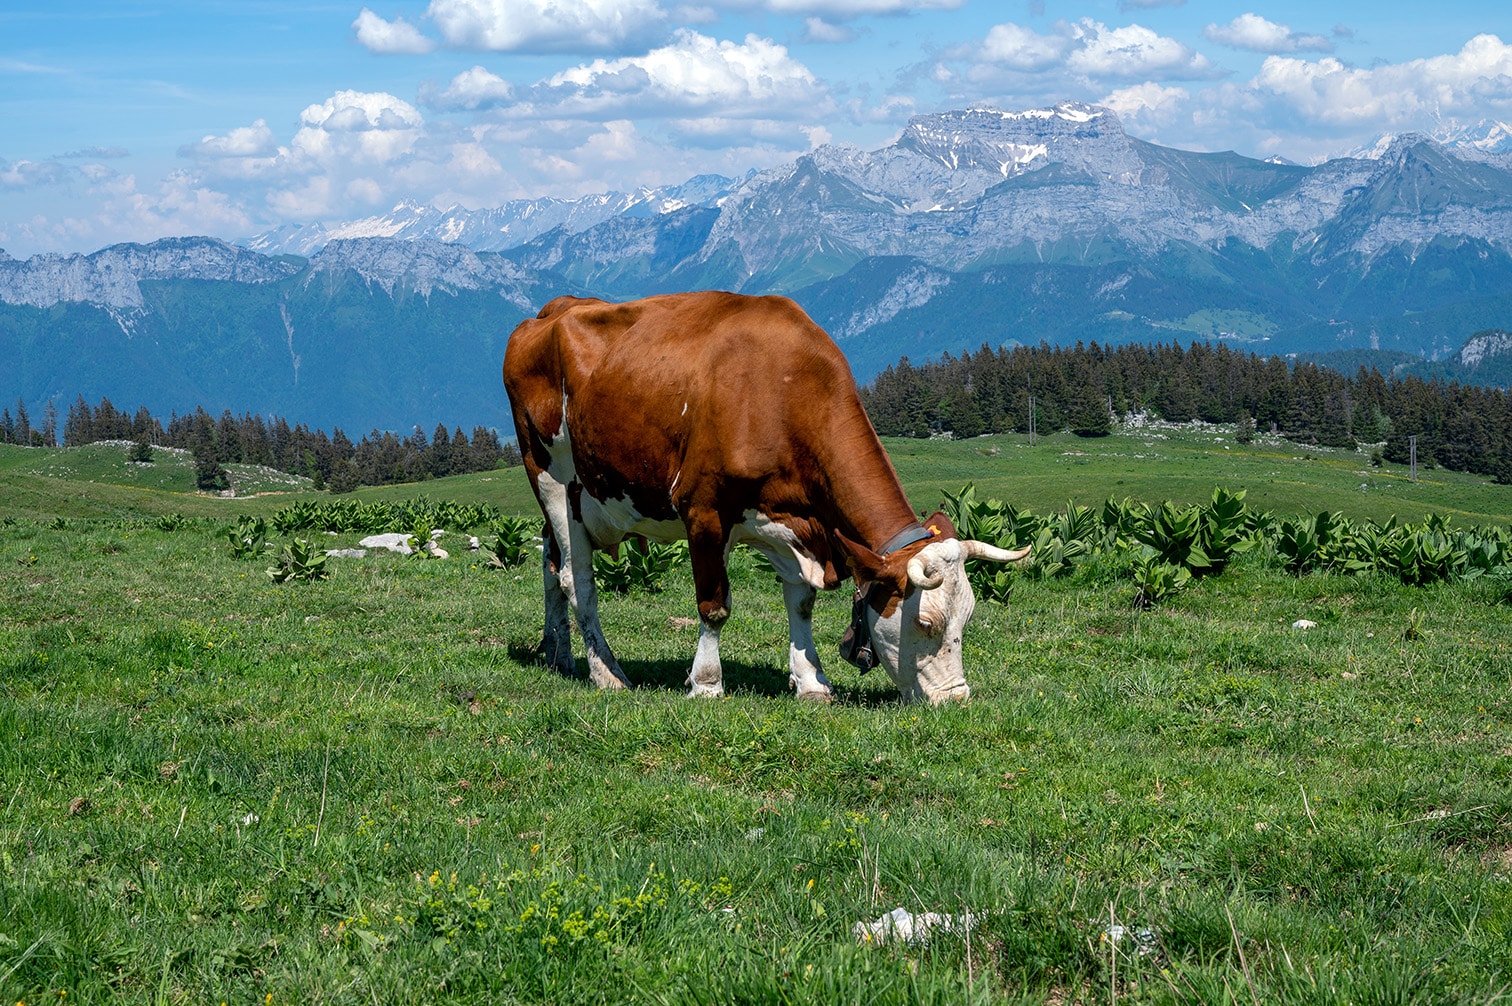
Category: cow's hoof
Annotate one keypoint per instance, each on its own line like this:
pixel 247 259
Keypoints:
pixel 705 689
pixel 607 680
pixel 818 695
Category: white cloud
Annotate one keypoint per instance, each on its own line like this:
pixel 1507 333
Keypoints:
pixel 255 140
pixel 1021 48
pixel 471 89
pixel 856 8
pixel 816 29
pixel 1477 80
pixel 1085 49
pixel 545 25
pixel 1132 51
pixel 30 174
pixel 361 125
pixel 1142 99
pixel 396 36
pixel 694 73
pixel 1255 33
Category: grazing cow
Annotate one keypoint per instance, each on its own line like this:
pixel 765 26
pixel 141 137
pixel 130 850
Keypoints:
pixel 723 418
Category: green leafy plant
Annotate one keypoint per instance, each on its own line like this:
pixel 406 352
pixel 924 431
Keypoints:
pixel 249 539
pixel 640 565
pixel 1224 530
pixel 514 538
pixel 300 560
pixel 1156 580
pixel 172 522
pixel 1175 535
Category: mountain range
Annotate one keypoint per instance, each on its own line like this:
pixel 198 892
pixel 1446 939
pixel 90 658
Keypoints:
pixel 974 226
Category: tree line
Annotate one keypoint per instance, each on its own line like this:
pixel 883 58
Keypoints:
pixel 332 460
pixel 1087 388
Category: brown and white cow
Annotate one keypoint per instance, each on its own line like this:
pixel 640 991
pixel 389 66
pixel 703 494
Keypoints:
pixel 723 418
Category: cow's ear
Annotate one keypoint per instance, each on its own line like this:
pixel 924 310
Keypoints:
pixel 866 564
pixel 940 526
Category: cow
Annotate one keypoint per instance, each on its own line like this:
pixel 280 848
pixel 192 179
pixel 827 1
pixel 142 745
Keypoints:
pixel 723 418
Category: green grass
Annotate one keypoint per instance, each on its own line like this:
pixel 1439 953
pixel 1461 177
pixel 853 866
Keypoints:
pixel 217 789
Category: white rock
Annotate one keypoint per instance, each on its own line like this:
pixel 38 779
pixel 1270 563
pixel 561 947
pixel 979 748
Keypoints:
pixel 1304 623
pixel 901 925
pixel 393 541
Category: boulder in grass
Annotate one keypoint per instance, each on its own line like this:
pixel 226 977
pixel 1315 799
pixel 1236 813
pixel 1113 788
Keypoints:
pixel 393 541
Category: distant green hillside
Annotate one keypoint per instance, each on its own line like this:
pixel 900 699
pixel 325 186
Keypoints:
pixel 1155 463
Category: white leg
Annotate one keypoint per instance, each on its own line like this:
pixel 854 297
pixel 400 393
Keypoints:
pixel 804 672
pixel 603 669
pixel 575 570
pixel 707 676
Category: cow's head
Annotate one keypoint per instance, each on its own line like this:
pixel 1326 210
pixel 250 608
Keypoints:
pixel 919 610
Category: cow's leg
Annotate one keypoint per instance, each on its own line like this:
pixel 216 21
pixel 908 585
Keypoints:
pixel 804 672
pixel 711 584
pixel 603 668
pixel 575 573
pixel 556 640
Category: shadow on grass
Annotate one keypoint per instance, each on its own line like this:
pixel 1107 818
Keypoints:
pixel 739 678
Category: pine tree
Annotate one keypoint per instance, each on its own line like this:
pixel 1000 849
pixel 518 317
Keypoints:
pixel 23 430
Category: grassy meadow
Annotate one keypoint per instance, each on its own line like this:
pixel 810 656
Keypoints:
pixel 362 789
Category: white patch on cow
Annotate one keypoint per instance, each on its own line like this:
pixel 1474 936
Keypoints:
pixel 684 412
pixel 775 540
pixel 613 520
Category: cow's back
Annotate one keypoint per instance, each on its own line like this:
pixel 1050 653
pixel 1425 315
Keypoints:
pixel 734 387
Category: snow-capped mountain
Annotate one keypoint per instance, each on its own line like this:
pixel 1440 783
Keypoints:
pixel 1488 136
pixel 975 226
pixel 496 228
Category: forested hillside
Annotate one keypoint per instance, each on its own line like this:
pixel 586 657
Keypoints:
pixel 1086 388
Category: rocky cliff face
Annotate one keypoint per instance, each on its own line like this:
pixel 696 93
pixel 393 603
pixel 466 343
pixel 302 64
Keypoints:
pixel 111 277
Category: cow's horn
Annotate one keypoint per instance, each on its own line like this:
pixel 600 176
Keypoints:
pixel 982 550
pixel 921 578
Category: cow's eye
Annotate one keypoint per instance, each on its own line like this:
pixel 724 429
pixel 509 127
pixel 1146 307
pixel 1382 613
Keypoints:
pixel 925 625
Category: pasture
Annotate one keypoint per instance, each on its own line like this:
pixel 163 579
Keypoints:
pixel 362 789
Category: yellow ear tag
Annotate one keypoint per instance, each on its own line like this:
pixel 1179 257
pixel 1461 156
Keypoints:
pixel 934 532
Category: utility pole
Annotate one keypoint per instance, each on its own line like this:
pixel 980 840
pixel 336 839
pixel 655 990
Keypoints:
pixel 1412 457
pixel 1031 420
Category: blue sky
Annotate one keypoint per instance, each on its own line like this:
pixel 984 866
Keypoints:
pixel 132 120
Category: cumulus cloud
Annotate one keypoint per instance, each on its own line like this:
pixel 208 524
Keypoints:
pixel 1087 49
pixel 255 140
pixel 855 8
pixel 545 25
pixel 1255 33
pixel 31 174
pixel 1132 51
pixel 396 36
pixel 471 90
pixel 1476 80
pixel 1021 48
pixel 694 73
